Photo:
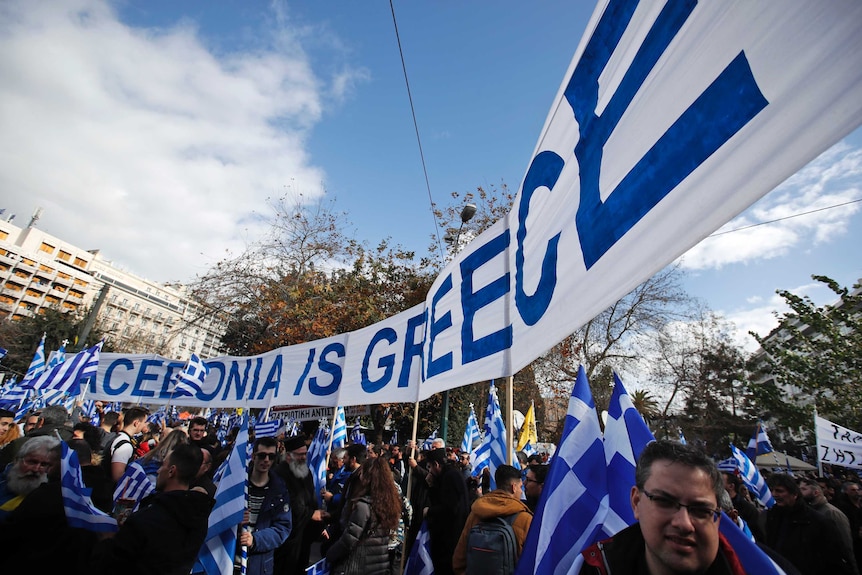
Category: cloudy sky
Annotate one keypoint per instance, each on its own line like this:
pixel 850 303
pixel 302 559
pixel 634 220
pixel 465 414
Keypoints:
pixel 155 131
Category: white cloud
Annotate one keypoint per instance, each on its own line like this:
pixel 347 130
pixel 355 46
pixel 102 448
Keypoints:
pixel 831 179
pixel 143 142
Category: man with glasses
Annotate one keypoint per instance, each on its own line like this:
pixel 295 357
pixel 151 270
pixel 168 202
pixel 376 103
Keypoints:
pixel 28 471
pixel 675 500
pixel 268 519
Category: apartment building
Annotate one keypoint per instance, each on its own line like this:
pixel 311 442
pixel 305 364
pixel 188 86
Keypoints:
pixel 38 270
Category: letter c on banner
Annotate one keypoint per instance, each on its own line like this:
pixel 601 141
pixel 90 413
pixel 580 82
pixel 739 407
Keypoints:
pixel 544 171
pixel 387 361
pixel 126 363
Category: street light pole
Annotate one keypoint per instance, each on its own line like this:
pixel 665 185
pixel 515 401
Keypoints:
pixel 467 214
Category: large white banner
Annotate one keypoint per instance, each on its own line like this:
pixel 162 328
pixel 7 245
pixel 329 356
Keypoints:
pixel 838 445
pixel 671 119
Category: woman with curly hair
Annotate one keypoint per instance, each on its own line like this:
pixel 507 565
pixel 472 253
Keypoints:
pixel 372 514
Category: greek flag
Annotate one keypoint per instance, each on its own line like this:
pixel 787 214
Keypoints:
pixel 626 435
pixel 356 435
pixel 574 501
pixel 188 382
pixel 216 555
pixel 158 417
pixel 37 366
pixel 51 397
pixel 492 452
pixel 681 436
pixel 267 428
pixel 471 432
pixel 394 439
pixel 58 356
pixel 317 459
pixel 751 557
pixel 339 432
pixel 134 484
pixel 319 568
pixel 429 441
pixel 3 352
pixel 419 560
pixel 752 478
pixel 79 508
pixel 759 443
pixel 68 375
pixel 12 395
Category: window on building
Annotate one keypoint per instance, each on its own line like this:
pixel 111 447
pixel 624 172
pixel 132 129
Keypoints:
pixel 65 256
pixel 47 248
pixel 80 262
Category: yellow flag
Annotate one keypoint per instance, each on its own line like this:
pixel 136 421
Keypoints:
pixel 528 430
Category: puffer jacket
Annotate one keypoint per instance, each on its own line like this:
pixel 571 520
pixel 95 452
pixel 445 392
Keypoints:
pixel 273 527
pixel 495 504
pixel 360 531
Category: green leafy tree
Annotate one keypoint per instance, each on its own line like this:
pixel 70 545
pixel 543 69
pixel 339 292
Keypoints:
pixel 813 358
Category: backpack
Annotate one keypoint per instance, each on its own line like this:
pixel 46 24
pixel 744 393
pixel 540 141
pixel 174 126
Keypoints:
pixel 492 548
pixel 107 453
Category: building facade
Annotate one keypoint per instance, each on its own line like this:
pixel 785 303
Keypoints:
pixel 40 271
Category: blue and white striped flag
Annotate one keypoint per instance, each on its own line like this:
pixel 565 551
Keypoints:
pixel 267 428
pixel 188 382
pixel 471 432
pixel 319 568
pixel 339 431
pixel 492 452
pixel 58 356
pixel 13 395
pixel 752 478
pixel 356 435
pixel 317 459
pixel 216 555
pixel 79 508
pixel 51 397
pixel 394 439
pixel 68 375
pixel 37 365
pixel 429 441
pixel 134 484
pixel 574 501
pixel 759 443
pixel 3 352
pixel 419 560
pixel 158 417
pixel 626 435
pixel 752 558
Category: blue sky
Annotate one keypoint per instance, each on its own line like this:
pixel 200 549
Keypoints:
pixel 156 130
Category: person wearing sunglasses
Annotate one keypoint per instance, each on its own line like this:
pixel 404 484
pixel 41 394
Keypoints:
pixel 268 519
pixel 675 501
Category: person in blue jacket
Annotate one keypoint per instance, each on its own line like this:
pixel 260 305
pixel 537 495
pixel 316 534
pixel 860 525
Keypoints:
pixel 268 519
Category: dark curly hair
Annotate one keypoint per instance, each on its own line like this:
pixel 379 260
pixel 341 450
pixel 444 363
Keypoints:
pixel 378 484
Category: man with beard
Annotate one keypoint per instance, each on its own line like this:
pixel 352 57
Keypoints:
pixel 292 557
pixel 28 471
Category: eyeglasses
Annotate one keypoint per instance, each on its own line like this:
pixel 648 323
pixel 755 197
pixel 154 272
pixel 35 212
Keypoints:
pixel 696 512
pixel 528 480
pixel 265 455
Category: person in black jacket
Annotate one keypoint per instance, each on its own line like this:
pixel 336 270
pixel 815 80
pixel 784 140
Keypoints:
pixel 165 535
pixel 447 511
pixel 292 557
pixel 801 534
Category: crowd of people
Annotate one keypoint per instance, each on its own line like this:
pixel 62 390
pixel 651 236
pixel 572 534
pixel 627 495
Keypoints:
pixel 376 499
pixel 359 521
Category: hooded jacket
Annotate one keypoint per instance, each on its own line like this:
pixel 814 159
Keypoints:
pixel 495 504
pixel 164 536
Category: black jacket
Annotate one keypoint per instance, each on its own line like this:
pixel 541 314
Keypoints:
pixel 807 540
pixel 362 541
pixel 164 536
